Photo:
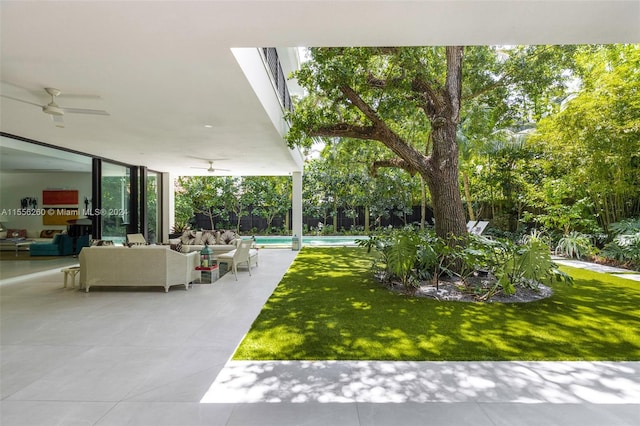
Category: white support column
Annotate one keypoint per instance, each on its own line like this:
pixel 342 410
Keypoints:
pixel 168 205
pixel 296 205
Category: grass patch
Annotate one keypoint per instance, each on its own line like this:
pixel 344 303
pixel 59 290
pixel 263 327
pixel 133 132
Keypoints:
pixel 328 307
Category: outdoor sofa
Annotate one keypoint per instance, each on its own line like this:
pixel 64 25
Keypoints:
pixel 218 241
pixel 137 266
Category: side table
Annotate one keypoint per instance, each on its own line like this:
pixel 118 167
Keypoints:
pixel 208 275
pixel 73 271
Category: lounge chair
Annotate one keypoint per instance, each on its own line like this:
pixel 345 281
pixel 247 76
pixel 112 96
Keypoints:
pixel 243 254
pixel 476 227
pixel 136 239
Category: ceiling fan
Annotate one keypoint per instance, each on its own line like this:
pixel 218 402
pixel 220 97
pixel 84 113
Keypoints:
pixel 54 110
pixel 211 169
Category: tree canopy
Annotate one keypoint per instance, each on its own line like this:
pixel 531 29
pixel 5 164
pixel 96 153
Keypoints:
pixel 412 100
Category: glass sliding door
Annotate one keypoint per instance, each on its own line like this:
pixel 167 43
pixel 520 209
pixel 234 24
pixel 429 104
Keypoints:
pixel 115 208
pixel 153 203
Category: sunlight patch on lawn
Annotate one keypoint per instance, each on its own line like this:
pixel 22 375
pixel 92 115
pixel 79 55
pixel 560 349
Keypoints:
pixel 313 314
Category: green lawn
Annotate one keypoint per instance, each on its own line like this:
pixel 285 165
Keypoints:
pixel 329 307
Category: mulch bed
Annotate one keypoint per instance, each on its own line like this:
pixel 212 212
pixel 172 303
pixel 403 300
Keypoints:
pixel 475 290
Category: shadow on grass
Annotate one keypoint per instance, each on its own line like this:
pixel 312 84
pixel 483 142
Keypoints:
pixel 328 307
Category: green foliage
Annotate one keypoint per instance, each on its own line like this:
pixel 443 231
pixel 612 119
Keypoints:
pixel 407 255
pixel 592 146
pixel 575 244
pixel 401 97
pixel 270 196
pixel 213 196
pixel 625 227
pixel 412 256
pixel 526 264
pixel 556 209
pixel 341 178
pixel 625 246
pixel 401 254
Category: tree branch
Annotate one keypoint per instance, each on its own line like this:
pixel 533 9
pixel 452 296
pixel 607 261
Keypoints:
pixel 344 130
pixel 380 83
pixel 364 107
pixel 380 131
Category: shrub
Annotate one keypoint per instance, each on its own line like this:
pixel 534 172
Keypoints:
pixel 406 255
pixel 575 245
pixel 625 246
pixel 411 256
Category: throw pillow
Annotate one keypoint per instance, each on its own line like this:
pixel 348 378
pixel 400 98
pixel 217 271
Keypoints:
pixel 176 247
pixel 227 237
pixel 100 243
pixel 49 233
pixel 188 237
pixel 16 233
pixel 208 237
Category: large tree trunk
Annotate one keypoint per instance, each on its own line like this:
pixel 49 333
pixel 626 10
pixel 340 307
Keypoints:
pixel 444 185
pixel 442 169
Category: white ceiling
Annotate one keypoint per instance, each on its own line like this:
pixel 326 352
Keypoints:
pixel 164 70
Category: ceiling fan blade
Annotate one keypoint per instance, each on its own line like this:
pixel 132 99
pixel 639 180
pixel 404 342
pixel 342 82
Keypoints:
pixel 85 111
pixel 22 100
pixel 58 120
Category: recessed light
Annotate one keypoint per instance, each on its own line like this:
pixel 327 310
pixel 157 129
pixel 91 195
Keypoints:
pixel 208 126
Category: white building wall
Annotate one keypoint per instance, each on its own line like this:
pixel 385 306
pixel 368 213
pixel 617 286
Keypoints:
pixel 258 75
pixel 254 68
pixel 16 186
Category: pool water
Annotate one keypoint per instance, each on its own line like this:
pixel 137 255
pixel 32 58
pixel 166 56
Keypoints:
pixel 310 240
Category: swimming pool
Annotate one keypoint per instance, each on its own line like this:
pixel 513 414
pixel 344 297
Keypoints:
pixel 311 240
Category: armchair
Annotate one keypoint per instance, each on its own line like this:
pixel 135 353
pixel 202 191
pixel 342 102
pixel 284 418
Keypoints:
pixel 240 255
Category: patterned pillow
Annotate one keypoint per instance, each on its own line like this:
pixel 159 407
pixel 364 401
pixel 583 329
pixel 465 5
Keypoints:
pixel 188 237
pixel 100 243
pixel 49 233
pixel 208 237
pixel 19 233
pixel 176 247
pixel 227 237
